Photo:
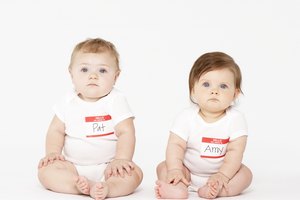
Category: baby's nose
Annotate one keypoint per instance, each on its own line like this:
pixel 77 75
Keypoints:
pixel 214 91
pixel 93 76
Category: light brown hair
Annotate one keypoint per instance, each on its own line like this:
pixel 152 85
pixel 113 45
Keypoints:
pixel 214 61
pixel 96 45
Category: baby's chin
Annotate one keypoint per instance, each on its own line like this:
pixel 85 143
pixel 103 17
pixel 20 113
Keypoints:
pixel 93 96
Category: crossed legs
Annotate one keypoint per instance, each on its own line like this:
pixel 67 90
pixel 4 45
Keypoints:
pixel 164 190
pixel 236 185
pixel 62 176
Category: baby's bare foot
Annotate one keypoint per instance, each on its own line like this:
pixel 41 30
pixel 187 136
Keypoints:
pixel 99 191
pixel 82 185
pixel 168 191
pixel 208 192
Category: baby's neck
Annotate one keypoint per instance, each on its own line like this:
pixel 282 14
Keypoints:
pixel 211 117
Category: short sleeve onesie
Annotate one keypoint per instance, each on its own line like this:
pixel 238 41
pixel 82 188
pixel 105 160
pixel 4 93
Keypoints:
pixel 207 142
pixel 89 126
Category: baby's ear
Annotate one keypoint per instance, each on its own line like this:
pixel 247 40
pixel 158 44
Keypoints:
pixel 70 72
pixel 117 74
pixel 236 93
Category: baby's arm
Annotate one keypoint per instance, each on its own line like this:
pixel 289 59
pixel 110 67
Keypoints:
pixel 232 163
pixel 174 159
pixel 217 181
pixel 122 162
pixel 233 157
pixel 54 142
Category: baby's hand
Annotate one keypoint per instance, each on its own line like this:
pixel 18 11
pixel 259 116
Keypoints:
pixel 217 181
pixel 119 167
pixel 48 159
pixel 175 176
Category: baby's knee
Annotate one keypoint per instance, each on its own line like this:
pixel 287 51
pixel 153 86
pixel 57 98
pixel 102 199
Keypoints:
pixel 46 172
pixel 43 176
pixel 249 174
pixel 139 174
pixel 161 167
pixel 56 165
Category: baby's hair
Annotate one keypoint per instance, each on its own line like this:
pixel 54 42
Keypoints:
pixel 96 45
pixel 214 61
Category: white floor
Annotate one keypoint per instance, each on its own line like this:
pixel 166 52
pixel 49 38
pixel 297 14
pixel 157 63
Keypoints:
pixel 19 181
pixel 260 189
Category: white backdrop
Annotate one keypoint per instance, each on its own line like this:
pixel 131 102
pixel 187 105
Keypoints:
pixel 158 43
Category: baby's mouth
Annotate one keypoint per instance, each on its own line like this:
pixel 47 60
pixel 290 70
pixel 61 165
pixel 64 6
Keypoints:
pixel 213 99
pixel 92 84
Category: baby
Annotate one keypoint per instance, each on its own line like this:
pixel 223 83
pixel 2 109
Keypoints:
pixel 207 140
pixel 91 139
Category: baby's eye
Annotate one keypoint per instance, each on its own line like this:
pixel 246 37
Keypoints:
pixel 84 69
pixel 102 71
pixel 205 84
pixel 223 86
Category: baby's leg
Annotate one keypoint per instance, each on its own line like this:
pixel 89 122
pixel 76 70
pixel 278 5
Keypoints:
pixel 99 191
pixel 83 185
pixel 241 180
pixel 116 186
pixel 60 176
pixel 164 190
pixel 209 191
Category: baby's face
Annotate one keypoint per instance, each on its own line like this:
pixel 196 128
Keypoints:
pixel 215 90
pixel 93 75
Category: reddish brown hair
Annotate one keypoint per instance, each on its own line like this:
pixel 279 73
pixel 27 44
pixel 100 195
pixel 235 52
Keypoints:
pixel 214 61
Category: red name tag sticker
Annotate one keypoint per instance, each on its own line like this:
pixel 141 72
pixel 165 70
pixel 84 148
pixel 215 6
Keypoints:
pixel 99 126
pixel 213 147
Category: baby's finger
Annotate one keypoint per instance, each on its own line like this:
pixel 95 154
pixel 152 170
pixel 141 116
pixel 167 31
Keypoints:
pixel 214 188
pixel 128 169
pixel 51 159
pixel 185 181
pixel 211 194
pixel 225 185
pixel 45 162
pixel 170 180
pixel 114 171
pixel 108 169
pixel 108 173
pixel 131 164
pixel 61 157
pixel 121 171
pixel 176 180
pixel 106 176
pixel 41 163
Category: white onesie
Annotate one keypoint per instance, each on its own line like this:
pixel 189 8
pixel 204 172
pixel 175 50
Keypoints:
pixel 89 127
pixel 207 142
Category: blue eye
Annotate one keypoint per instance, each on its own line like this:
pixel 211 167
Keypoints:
pixel 205 84
pixel 102 71
pixel 223 86
pixel 84 69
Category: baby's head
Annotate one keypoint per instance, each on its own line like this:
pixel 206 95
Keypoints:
pixel 94 68
pixel 225 67
pixel 96 45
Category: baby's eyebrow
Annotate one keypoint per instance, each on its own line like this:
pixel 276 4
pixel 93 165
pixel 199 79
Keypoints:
pixel 97 65
pixel 203 80
pixel 102 65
